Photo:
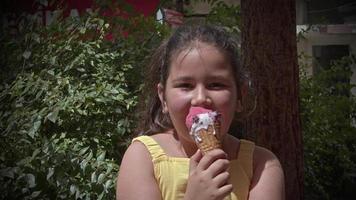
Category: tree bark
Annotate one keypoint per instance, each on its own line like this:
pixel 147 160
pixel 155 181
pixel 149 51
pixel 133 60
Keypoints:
pixel 269 53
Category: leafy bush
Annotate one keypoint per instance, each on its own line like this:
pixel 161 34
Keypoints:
pixel 226 15
pixel 328 120
pixel 66 113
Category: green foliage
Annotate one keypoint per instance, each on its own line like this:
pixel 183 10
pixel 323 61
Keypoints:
pixel 67 101
pixel 328 120
pixel 222 14
pixel 226 15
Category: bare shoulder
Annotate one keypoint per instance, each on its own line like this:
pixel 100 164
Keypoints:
pixel 162 138
pixel 264 158
pixel 168 143
pixel 136 169
pixel 268 177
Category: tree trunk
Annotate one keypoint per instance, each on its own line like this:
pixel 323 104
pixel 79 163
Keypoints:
pixel 269 52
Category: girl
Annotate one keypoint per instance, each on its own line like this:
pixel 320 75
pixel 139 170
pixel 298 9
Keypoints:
pixel 196 66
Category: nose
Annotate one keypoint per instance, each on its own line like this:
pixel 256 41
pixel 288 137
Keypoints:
pixel 200 97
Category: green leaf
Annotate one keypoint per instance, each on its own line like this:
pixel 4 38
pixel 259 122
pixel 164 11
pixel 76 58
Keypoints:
pixel 77 194
pixel 90 156
pixel 53 60
pixel 83 164
pixel 50 173
pixel 107 184
pixel 26 54
pixel 36 125
pixel 101 178
pixel 101 157
pixel 72 189
pixel 114 91
pixel 31 180
pixel 52 116
pixel 8 172
pixel 36 37
pixel 110 168
pixel 82 30
pixel 81 69
pixel 35 153
pixel 35 194
pixel 93 177
pixel 100 197
pixel 83 151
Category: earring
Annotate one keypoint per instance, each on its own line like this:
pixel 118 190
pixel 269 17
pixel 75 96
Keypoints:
pixel 164 108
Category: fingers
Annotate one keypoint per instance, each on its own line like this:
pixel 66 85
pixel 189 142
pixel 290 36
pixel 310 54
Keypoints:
pixel 225 190
pixel 211 157
pixel 222 179
pixel 218 167
pixel 194 160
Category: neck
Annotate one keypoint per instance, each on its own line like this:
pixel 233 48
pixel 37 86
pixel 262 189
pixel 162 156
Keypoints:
pixel 187 148
pixel 230 145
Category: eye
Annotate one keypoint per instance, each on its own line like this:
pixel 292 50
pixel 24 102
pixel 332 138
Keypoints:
pixel 217 85
pixel 184 85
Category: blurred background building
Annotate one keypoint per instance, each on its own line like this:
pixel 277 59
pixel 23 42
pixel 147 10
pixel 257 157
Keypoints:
pixel 328 32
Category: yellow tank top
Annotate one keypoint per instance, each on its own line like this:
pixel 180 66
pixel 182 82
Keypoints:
pixel 171 173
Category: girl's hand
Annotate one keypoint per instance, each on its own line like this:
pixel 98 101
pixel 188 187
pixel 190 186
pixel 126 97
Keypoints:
pixel 208 176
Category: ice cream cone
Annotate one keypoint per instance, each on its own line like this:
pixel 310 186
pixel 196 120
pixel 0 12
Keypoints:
pixel 208 139
pixel 204 125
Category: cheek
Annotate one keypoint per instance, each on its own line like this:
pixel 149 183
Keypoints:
pixel 178 103
pixel 226 104
pixel 226 100
pixel 178 108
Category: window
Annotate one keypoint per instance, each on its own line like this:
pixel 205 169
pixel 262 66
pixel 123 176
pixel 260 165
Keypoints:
pixel 331 11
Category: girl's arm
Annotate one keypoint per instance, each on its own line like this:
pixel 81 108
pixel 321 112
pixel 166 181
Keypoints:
pixel 268 179
pixel 136 179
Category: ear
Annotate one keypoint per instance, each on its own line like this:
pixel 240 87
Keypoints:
pixel 160 91
pixel 239 107
pixel 243 92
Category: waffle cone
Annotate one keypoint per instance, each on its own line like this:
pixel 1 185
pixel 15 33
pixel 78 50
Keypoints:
pixel 209 140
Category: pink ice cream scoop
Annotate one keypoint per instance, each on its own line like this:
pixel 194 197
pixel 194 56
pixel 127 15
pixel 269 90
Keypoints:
pixel 193 112
pixel 204 126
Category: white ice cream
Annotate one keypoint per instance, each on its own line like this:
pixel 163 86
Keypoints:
pixel 202 121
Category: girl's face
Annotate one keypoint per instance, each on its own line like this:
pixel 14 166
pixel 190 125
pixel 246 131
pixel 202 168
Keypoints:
pixel 199 76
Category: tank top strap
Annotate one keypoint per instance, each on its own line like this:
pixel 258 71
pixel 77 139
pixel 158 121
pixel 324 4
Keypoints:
pixel 245 156
pixel 152 146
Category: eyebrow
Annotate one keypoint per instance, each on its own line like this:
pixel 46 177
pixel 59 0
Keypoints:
pixel 182 79
pixel 188 78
